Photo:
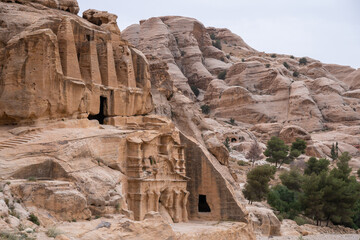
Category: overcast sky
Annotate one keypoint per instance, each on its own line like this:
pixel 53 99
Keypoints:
pixel 327 30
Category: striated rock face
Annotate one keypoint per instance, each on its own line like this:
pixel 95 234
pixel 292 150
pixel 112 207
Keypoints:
pixel 65 5
pixel 62 66
pixel 259 95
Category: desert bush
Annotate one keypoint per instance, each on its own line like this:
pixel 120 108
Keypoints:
pixel 34 219
pixel 242 163
pixel 295 74
pixel 286 65
pixel 303 61
pixel 227 144
pixel 212 36
pixel 267 65
pixel 195 90
pixel 292 57
pixel 205 109
pixel 53 232
pixel 273 55
pixel 217 44
pixel 300 220
pixel 222 75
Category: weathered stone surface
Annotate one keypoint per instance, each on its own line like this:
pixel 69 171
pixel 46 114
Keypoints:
pixel 218 149
pixel 61 66
pixel 209 178
pixel 264 221
pixel 65 5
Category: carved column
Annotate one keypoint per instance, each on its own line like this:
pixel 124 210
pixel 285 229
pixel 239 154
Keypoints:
pixel 184 199
pixel 156 201
pixel 177 207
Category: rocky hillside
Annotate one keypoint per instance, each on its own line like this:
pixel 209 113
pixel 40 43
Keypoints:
pixel 216 87
pixel 138 134
pixel 267 94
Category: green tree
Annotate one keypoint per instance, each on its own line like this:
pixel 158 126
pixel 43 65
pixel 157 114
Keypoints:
pixel 285 201
pixel 334 151
pixel 341 193
pixel 312 198
pixel 316 166
pixel 292 180
pixel 343 170
pixel 299 145
pixel 278 152
pixel 257 185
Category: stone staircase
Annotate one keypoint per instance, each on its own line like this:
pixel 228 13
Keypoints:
pixel 18 140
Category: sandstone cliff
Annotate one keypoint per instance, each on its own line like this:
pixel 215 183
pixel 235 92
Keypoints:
pixel 258 96
pixel 77 141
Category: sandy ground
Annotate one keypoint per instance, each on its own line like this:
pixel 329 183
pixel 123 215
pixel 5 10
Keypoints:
pixel 316 237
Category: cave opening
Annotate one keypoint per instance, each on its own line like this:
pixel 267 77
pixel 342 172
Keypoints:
pixel 203 205
pixel 101 115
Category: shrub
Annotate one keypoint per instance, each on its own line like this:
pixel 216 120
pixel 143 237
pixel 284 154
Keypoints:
pixel 31 179
pixel 273 55
pixel 227 144
pixel 195 90
pixel 34 219
pixel 267 65
pixel 212 36
pixel 286 65
pixel 205 109
pixel 242 163
pixel 222 75
pixel 232 121
pixel 243 60
pixel 8 236
pixel 295 74
pixel 300 220
pixel 292 57
pixel 358 173
pixel 217 44
pixel 53 232
pixel 228 56
pixel 303 61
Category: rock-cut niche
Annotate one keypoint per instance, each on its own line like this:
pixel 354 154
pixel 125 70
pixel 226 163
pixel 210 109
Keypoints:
pixel 102 112
pixel 203 205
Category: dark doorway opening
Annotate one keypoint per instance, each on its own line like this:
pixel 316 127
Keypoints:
pixel 203 205
pixel 101 115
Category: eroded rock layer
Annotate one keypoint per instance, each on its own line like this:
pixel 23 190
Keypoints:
pixel 62 66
